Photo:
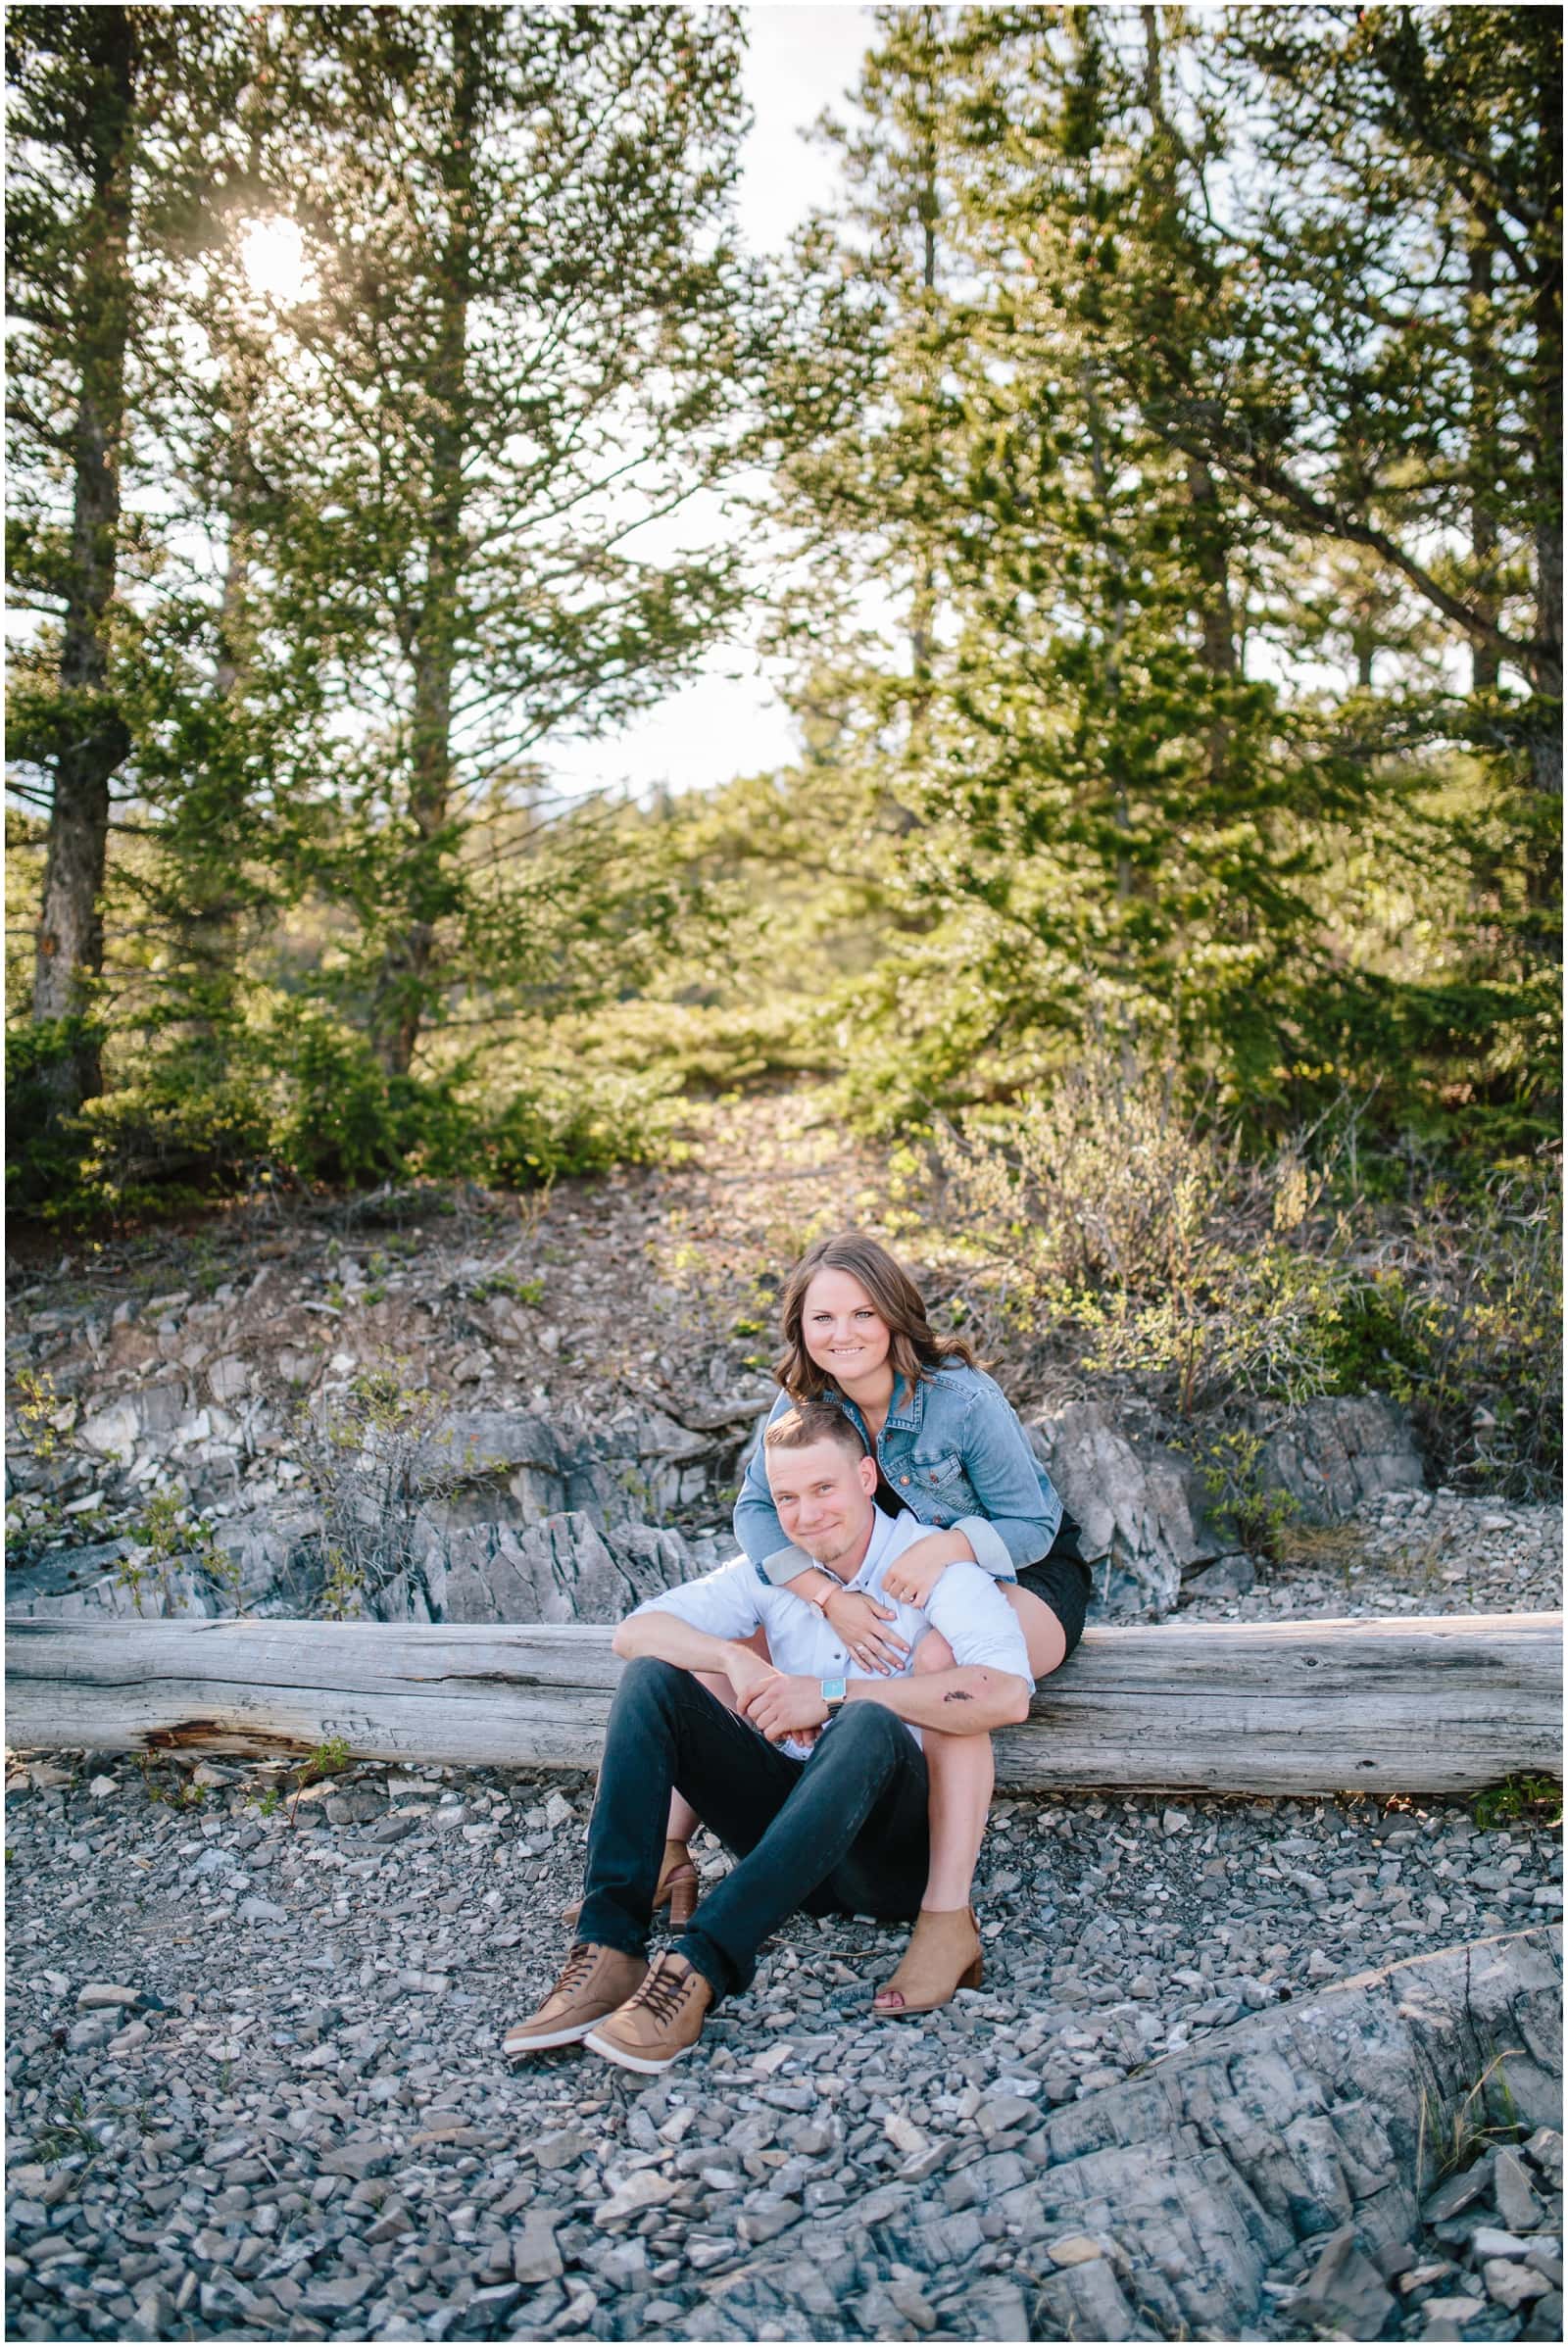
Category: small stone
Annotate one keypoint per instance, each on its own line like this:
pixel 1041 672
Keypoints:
pixel 535 2257
pixel 561 2150
pixel 1487 2241
pixel 1511 2285
pixel 558 1812
pixel 770 2219
pixel 1320 1967
pixel 102 1787
pixel 1074 2249
pixel 1545 2147
pixel 1450 2318
pixel 359 2160
pixel 1517 2204
pixel 1456 2193
pixel 1175 1821
pixel 340 2294
pixel 261 1911
pixel 642 2191
pixel 102 1995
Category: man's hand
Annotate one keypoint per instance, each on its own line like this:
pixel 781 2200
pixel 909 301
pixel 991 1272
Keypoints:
pixel 914 1576
pixel 859 1621
pixel 747 1673
pixel 785 1705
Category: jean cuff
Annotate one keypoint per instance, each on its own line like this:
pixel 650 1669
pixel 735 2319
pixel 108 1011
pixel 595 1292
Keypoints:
pixel 705 1956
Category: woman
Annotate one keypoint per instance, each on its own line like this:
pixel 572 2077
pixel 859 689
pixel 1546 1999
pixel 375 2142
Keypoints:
pixel 949 1447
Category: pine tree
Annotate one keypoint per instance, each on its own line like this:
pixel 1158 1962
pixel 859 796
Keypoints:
pixel 73 75
pixel 528 339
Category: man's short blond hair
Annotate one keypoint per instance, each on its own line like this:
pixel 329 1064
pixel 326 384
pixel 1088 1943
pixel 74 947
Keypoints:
pixel 816 1422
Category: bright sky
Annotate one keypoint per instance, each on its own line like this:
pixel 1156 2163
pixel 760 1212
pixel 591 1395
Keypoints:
pixel 731 720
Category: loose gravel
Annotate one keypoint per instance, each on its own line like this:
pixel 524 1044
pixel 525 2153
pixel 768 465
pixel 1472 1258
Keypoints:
pixel 1409 1552
pixel 256 2085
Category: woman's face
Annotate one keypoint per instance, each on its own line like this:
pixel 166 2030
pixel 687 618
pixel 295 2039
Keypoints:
pixel 843 1331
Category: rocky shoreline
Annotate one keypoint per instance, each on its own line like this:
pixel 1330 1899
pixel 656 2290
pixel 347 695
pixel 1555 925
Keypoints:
pixel 257 2087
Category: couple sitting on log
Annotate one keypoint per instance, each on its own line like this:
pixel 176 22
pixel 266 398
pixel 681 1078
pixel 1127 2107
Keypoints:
pixel 824 1703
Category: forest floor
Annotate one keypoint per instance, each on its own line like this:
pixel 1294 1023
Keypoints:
pixel 293 2119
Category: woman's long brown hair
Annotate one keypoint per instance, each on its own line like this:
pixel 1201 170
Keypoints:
pixel 915 1349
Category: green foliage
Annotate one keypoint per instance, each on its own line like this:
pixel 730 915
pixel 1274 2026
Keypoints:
pixel 326 1759
pixel 1228 1468
pixel 1145 1235
pixel 1536 1798
pixel 168 1535
pixel 376 1454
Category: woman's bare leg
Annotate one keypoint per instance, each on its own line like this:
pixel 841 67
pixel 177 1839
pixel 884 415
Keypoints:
pixel 961 1771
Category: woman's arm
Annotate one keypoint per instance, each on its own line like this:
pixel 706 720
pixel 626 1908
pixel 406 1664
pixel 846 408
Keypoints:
pixel 756 1519
pixel 1021 1513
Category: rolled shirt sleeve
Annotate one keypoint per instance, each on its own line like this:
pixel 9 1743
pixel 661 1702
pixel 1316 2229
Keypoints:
pixel 722 1603
pixel 977 1621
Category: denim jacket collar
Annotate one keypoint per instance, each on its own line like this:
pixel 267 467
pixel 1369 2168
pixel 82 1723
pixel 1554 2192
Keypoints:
pixel 907 1419
pixel 914 1410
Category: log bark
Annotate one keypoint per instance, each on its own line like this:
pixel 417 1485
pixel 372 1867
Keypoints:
pixel 1440 1706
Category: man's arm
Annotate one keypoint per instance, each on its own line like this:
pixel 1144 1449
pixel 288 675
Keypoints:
pixel 668 1638
pixel 968 1701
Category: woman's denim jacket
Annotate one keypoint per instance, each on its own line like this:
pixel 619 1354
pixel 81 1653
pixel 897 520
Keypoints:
pixel 954 1452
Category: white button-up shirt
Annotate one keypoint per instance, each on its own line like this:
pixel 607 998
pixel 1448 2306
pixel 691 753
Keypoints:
pixel 966 1606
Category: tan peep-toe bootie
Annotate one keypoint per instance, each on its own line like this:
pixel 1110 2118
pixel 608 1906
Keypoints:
pixel 676 1889
pixel 943 1955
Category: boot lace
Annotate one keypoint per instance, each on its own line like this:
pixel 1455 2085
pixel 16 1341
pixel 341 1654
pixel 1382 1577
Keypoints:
pixel 578 1965
pixel 663 1992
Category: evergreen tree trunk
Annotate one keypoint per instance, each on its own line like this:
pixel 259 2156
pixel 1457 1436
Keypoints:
pixel 70 935
pixel 402 995
pixel 1209 538
pixel 1547 666
pixel 1484 659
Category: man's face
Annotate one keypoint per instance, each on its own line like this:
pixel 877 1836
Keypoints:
pixel 823 1499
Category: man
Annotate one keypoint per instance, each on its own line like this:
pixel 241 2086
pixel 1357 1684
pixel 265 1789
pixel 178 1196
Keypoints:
pixel 817 1783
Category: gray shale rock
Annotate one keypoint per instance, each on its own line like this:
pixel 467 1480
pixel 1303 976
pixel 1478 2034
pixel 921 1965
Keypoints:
pixel 1299 2120
pixel 1135 1512
pixel 1331 1454
pixel 562 1570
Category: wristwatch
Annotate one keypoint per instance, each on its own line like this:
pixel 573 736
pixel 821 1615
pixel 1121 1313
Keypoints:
pixel 834 1691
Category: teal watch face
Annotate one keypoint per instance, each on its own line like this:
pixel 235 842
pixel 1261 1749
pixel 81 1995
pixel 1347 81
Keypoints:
pixel 834 1691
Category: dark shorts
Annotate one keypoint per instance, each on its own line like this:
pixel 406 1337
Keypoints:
pixel 1065 1585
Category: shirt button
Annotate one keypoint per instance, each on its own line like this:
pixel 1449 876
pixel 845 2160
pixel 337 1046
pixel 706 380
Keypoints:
pixel 904 1479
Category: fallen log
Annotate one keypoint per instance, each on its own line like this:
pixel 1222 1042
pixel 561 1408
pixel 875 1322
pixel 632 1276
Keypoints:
pixel 1434 1706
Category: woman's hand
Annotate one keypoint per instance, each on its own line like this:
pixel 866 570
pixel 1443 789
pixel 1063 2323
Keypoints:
pixel 911 1576
pixel 859 1621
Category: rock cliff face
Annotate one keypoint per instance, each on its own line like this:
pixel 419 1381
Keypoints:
pixel 520 1503
pixel 1145 1513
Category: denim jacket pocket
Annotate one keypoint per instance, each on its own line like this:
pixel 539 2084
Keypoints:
pixel 941 1479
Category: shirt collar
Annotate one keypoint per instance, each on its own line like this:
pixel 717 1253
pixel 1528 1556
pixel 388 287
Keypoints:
pixel 875 1549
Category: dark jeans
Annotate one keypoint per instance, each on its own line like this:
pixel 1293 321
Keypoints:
pixel 844 1831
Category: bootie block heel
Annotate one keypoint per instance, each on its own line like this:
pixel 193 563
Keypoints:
pixel 943 1956
pixel 678 1890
